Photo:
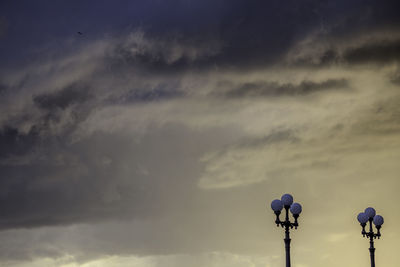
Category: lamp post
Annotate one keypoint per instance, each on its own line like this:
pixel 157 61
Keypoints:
pixel 277 205
pixel 369 216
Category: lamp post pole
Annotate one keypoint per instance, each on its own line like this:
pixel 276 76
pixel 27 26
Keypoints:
pixel 369 216
pixel 287 240
pixel 277 205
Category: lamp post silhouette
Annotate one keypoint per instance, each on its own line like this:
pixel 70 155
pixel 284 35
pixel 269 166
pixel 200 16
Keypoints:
pixel 277 205
pixel 369 216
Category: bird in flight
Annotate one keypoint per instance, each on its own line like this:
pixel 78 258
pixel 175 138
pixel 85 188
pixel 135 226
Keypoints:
pixel 80 33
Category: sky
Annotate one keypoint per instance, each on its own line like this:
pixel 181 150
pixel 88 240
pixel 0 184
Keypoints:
pixel 160 134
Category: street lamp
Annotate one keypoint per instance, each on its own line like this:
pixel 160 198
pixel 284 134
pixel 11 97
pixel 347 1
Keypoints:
pixel 277 205
pixel 369 216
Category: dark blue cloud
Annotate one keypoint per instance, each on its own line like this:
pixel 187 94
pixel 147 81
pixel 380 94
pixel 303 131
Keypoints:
pixel 273 89
pixel 255 31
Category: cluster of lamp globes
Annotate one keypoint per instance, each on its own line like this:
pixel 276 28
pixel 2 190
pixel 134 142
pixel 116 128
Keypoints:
pixel 286 202
pixel 370 215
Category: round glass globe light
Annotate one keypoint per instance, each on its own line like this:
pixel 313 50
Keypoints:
pixel 276 205
pixel 370 212
pixel 378 220
pixel 287 199
pixel 295 208
pixel 362 217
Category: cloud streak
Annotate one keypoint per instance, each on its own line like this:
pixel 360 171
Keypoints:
pixel 260 89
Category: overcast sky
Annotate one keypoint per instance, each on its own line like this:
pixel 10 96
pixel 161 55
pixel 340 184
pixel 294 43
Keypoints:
pixel 156 133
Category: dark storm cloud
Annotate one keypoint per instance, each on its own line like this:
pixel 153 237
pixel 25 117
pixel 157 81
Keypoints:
pixel 253 33
pixel 268 89
pixel 68 184
pixel 381 52
pixel 73 94
pixel 160 92
pixel 3 87
pixel 50 178
pixel 3 27
pixel 243 34
pixel 14 143
pixel 102 177
pixel 64 109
